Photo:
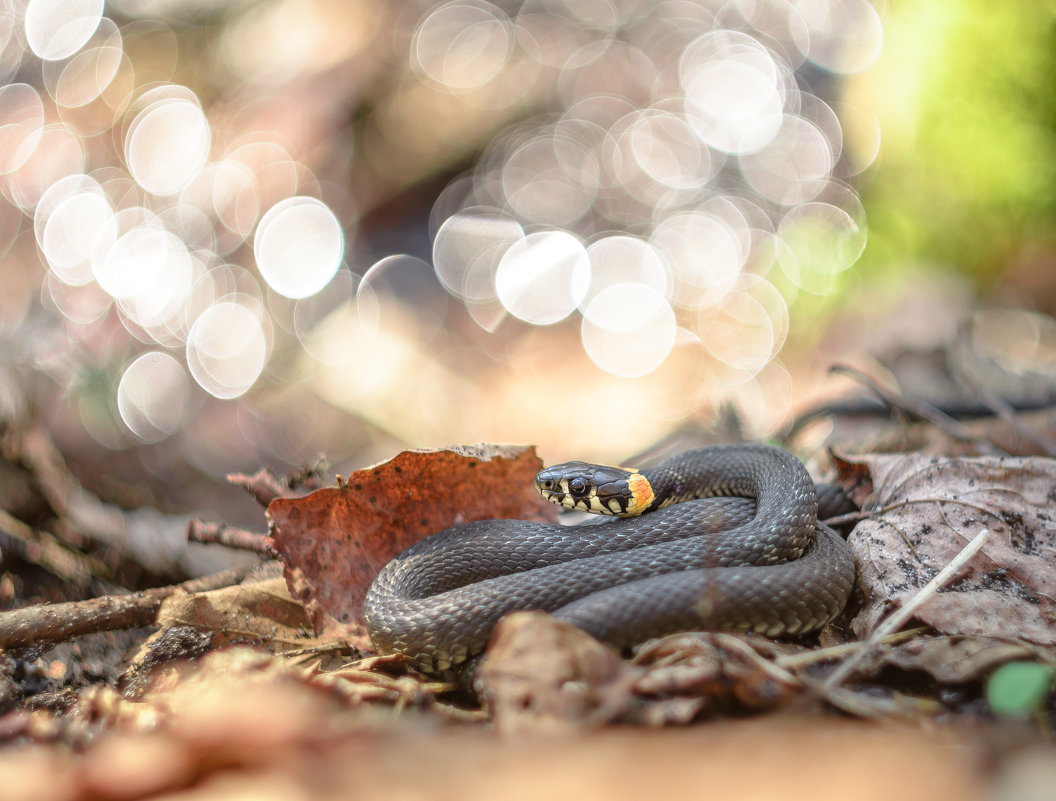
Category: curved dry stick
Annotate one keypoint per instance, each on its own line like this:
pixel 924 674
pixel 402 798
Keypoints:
pixel 46 623
pixel 920 409
pixel 230 536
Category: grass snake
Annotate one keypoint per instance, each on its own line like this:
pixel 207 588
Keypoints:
pixel 724 537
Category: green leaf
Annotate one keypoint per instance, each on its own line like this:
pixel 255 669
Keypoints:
pixel 1018 688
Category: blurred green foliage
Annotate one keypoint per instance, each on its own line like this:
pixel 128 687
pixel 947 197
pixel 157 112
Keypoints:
pixel 966 96
pixel 1018 689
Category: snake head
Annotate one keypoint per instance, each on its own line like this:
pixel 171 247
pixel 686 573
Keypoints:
pixel 595 488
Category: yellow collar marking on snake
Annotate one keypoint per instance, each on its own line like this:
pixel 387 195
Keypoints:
pixel 641 494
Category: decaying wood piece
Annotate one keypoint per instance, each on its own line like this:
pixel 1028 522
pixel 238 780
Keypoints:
pixel 58 622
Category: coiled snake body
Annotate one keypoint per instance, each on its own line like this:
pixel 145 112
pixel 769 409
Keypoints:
pixel 717 538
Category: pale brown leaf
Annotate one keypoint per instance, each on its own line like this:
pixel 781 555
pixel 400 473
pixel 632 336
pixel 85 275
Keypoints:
pixel 924 509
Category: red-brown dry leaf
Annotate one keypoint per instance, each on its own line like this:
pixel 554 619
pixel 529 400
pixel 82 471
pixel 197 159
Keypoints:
pixel 925 509
pixel 334 541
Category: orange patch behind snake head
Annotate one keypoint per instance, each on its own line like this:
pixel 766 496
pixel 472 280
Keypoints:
pixel 641 495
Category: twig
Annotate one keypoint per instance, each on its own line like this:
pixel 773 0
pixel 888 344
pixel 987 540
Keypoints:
pixel 878 513
pixel 262 485
pixel 265 487
pixel 792 661
pixel 864 407
pixel 898 618
pixel 1006 412
pixel 222 534
pixel 334 647
pixel 851 702
pixel 44 550
pixel 58 622
pixel 771 668
pixel 917 408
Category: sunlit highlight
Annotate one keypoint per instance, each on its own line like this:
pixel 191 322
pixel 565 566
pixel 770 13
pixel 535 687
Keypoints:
pixel 152 396
pixel 167 143
pixel 56 29
pixel 298 246
pixel 226 349
pixel 634 188
pixel 542 278
pixel 628 329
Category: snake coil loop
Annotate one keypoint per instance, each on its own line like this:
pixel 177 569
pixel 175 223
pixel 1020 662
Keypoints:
pixel 719 537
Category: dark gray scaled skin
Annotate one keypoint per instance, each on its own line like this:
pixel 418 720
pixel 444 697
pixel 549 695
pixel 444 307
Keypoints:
pixel 750 558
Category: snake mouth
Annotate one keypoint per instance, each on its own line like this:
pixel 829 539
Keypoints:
pixel 565 500
pixel 560 496
pixel 553 496
pixel 592 503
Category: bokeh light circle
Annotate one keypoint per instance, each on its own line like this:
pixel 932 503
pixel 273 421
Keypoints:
pixel 21 124
pixel 794 167
pixel 134 261
pixel 551 179
pixel 818 240
pixel 152 396
pixel 628 329
pixel 665 148
pixel 542 278
pixel 705 254
pixel 467 250
pixel 620 259
pixel 71 216
pixel 167 144
pixel 298 246
pixel 739 333
pixel 226 349
pixel 733 90
pixel 156 302
pixel 75 82
pixel 56 29
pixel 462 45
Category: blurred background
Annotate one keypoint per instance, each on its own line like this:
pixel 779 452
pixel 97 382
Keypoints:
pixel 237 234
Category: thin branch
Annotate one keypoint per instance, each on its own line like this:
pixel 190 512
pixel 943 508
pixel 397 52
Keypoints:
pixel 920 409
pixel 1004 410
pixel 57 622
pixel 265 487
pixel 898 618
pixel 262 485
pixel 222 534
pixel 812 657
pixel 50 553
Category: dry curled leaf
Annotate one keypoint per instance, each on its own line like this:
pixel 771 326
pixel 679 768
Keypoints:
pixel 258 613
pixel 334 541
pixel 956 660
pixel 717 667
pixel 923 511
pixel 543 674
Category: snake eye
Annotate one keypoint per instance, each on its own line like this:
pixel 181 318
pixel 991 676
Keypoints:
pixel 578 487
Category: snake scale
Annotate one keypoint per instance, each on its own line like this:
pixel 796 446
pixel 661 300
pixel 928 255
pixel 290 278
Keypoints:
pixel 724 537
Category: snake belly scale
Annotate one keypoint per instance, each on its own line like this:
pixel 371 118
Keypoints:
pixel 724 537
